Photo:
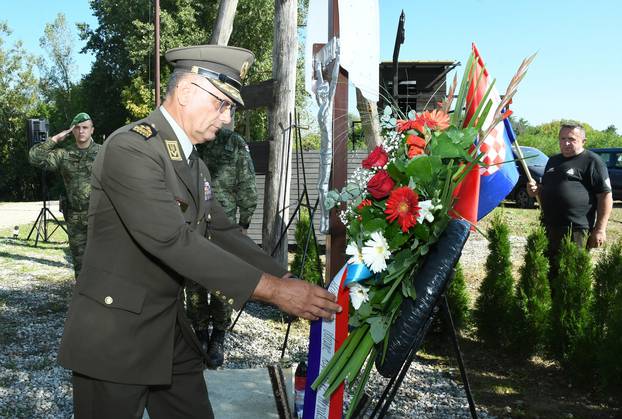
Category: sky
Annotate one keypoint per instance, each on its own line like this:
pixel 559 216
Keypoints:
pixel 577 73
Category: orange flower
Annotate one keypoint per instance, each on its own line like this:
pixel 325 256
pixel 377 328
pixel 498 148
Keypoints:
pixel 405 125
pixel 416 145
pixel 437 119
pixel 364 203
pixel 402 206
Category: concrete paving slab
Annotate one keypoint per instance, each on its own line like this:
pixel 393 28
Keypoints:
pixel 244 393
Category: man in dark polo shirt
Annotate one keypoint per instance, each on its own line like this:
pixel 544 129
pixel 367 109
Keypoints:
pixel 575 194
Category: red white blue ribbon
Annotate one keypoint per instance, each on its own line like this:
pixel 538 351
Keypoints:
pixel 325 339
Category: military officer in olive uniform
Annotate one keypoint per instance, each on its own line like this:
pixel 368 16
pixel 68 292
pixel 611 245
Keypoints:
pixel 74 160
pixel 153 224
pixel 229 161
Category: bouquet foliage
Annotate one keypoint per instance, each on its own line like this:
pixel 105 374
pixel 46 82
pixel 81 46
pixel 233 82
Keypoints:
pixel 396 206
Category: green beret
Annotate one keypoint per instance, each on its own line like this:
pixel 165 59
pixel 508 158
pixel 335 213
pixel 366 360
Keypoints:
pixel 81 117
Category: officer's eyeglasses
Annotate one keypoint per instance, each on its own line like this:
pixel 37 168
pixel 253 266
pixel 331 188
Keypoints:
pixel 223 103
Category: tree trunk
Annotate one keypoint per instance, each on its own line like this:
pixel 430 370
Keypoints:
pixel 278 175
pixel 369 120
pixel 224 22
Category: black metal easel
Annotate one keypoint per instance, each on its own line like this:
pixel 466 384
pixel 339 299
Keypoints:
pixel 45 216
pixel 388 395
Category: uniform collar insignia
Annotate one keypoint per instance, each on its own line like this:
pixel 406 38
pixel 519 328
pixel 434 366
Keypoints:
pixel 172 147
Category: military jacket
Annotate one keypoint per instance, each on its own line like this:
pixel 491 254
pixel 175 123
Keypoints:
pixel 151 227
pixel 75 166
pixel 233 175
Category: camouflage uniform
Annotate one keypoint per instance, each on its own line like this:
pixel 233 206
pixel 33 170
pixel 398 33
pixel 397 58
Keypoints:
pixel 233 183
pixel 75 166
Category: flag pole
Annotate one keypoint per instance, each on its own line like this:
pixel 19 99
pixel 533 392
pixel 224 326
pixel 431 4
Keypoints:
pixel 521 159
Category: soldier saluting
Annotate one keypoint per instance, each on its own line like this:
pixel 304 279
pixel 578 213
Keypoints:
pixel 153 224
pixel 74 161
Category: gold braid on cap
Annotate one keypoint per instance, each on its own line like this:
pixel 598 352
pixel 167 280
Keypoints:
pixel 215 76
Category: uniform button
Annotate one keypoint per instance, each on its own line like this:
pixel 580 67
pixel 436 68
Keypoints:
pixel 230 301
pixel 108 300
pixel 209 217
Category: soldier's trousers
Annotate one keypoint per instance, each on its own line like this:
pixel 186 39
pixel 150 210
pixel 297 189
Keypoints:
pixel 77 223
pixel 203 313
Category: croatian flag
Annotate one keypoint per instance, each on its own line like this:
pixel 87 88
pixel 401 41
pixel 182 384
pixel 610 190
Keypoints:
pixel 482 190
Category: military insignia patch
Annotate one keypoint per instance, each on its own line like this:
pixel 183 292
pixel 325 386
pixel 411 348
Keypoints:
pixel 144 130
pixel 207 190
pixel 173 150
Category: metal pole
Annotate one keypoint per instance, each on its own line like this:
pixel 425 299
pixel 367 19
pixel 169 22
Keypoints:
pixel 157 53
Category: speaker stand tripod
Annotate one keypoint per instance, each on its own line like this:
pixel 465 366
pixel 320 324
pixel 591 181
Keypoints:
pixel 45 216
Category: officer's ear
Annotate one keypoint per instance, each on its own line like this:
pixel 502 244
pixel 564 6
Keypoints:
pixel 183 91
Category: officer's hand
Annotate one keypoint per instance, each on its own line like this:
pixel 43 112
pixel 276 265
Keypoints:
pixel 243 231
pixel 297 297
pixel 596 239
pixel 532 188
pixel 62 135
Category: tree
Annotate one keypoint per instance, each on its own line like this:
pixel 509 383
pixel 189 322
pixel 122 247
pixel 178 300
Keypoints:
pixel 19 101
pixel 570 315
pixel 495 305
pixel 58 77
pixel 277 178
pixel 533 295
pixel 307 251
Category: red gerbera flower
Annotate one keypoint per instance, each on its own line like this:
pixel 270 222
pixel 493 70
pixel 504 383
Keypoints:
pixel 436 119
pixel 405 125
pixel 403 206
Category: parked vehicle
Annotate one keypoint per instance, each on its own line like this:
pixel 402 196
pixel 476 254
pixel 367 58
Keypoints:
pixel 536 162
pixel 613 159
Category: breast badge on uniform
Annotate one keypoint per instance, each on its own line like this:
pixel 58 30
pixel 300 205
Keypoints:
pixel 207 190
pixel 173 149
pixel 144 130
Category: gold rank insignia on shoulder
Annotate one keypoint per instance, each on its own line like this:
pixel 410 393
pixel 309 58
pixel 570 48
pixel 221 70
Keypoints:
pixel 173 149
pixel 144 130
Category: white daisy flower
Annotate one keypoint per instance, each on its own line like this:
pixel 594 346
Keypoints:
pixel 358 295
pixel 425 211
pixel 376 252
pixel 353 250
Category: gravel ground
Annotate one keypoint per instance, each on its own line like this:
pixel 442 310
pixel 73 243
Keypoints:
pixel 35 285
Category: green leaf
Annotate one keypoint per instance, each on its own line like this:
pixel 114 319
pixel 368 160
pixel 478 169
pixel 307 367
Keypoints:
pixel 379 326
pixel 420 168
pixel 422 232
pixel 408 289
pixel 398 240
pixel 447 150
pixel 375 224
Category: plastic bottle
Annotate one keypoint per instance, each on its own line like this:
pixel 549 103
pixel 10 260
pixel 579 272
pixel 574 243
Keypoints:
pixel 300 381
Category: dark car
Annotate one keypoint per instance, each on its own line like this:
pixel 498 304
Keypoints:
pixel 613 159
pixel 536 162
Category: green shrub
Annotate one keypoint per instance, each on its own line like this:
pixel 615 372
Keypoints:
pixel 570 314
pixel 458 300
pixel 533 295
pixel 495 306
pixel 607 314
pixel 312 264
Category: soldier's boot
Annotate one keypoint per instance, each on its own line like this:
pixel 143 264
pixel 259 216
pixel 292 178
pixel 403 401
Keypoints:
pixel 216 351
pixel 203 336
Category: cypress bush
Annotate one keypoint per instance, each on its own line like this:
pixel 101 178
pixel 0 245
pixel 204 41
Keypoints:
pixel 458 300
pixel 533 296
pixel 495 306
pixel 570 307
pixel 312 265
pixel 607 315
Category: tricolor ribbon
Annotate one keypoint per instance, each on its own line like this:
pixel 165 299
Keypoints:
pixel 325 339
